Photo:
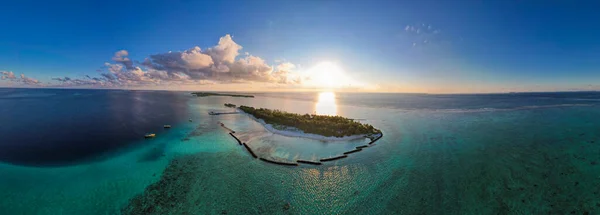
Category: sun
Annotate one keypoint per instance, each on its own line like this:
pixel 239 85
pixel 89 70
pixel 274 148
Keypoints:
pixel 327 74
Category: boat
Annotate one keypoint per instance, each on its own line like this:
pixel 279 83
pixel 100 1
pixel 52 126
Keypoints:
pixel 190 119
pixel 150 135
pixel 167 126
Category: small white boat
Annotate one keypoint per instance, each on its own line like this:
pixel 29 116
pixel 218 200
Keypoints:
pixel 150 135
pixel 167 126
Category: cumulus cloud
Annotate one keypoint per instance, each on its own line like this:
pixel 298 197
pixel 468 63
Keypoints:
pixel 195 59
pixel 218 64
pixel 226 50
pixel 8 75
pixel 29 81
pixel 221 63
pixel 287 66
pixel 22 79
pixel 121 57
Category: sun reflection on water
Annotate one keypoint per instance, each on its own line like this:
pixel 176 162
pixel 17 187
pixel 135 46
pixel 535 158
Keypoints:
pixel 326 104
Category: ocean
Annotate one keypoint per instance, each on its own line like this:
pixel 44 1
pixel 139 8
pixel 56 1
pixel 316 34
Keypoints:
pixel 66 151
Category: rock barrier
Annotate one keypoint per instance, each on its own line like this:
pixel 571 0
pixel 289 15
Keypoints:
pixel 376 139
pixel 333 158
pixel 278 162
pixel 250 150
pixel 225 127
pixel 309 162
pixel 239 142
pixel 352 151
pixel 345 154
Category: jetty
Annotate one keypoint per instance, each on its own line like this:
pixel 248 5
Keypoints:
pixel 221 113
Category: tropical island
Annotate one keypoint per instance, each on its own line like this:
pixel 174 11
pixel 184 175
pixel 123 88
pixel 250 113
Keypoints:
pixel 206 94
pixel 312 126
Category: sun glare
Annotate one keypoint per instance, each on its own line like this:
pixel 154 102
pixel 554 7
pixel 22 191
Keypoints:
pixel 326 104
pixel 327 75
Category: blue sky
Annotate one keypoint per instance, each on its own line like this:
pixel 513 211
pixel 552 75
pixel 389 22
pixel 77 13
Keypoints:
pixel 407 46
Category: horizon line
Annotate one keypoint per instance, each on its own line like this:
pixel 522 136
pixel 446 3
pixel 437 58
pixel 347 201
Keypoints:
pixel 305 91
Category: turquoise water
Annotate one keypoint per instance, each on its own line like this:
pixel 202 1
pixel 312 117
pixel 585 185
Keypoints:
pixel 534 160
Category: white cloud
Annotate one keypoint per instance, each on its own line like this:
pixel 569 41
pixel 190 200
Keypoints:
pixel 225 51
pixel 196 59
pixel 287 66
pixel 216 64
pixel 213 65
pixel 7 75
pixel 22 79
pixel 219 64
pixel 121 57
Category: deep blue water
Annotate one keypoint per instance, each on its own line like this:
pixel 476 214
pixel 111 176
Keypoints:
pixel 42 127
pixel 56 126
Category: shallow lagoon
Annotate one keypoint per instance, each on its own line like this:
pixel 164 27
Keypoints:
pixel 521 159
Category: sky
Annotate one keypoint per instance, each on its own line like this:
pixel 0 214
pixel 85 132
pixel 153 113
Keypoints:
pixel 292 45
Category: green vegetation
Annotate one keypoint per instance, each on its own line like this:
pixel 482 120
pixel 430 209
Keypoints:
pixel 230 105
pixel 205 94
pixel 329 126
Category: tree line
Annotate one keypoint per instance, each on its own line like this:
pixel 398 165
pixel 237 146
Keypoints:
pixel 329 126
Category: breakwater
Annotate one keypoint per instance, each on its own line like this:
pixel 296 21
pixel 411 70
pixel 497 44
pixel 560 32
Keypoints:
pixel 238 140
pixel 250 150
pixel 309 162
pixel 278 162
pixel 352 151
pixel 345 154
pixel 333 158
pixel 376 139
pixel 225 127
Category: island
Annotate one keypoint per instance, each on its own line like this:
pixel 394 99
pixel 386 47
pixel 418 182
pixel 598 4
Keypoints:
pixel 321 127
pixel 206 94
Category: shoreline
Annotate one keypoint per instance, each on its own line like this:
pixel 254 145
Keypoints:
pixel 298 133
